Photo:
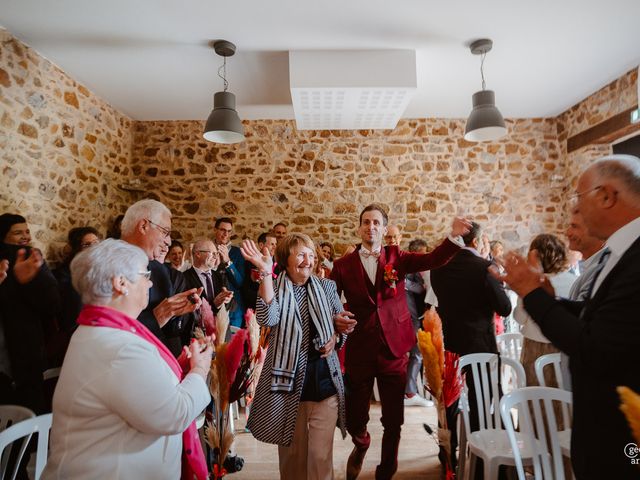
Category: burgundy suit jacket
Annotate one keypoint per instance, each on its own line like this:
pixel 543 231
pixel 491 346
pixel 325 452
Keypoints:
pixel 379 310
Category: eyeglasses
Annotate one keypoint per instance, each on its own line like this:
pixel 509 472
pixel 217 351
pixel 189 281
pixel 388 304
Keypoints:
pixel 165 231
pixel 89 244
pixel 577 195
pixel 146 275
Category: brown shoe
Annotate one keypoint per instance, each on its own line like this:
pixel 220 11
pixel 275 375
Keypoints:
pixel 354 464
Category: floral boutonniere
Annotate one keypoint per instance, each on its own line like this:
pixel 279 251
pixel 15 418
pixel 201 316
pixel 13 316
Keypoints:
pixel 390 276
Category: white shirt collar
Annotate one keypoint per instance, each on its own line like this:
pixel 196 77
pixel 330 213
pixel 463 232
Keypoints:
pixel 200 271
pixel 622 239
pixel 595 258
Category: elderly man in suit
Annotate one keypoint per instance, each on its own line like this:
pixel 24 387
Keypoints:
pixel 147 224
pixel 203 275
pixel 372 280
pixel 601 334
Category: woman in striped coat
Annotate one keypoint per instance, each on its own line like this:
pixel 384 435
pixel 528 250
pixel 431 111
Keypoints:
pixel 300 395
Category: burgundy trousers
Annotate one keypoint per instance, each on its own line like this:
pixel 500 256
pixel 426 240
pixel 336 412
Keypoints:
pixel 391 374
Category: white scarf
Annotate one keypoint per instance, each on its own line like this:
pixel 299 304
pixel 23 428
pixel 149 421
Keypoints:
pixel 289 335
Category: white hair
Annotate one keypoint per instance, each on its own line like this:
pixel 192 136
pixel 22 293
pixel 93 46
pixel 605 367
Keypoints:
pixel 625 168
pixel 93 269
pixel 147 209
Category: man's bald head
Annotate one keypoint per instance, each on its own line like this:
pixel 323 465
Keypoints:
pixel 624 170
pixel 608 194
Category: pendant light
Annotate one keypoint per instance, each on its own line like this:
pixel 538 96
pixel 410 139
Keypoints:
pixel 223 124
pixel 485 122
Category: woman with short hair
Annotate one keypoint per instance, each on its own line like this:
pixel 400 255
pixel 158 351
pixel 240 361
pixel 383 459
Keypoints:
pixel 123 407
pixel 300 394
pixel 552 254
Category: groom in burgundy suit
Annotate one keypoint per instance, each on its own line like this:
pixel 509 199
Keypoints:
pixel 381 332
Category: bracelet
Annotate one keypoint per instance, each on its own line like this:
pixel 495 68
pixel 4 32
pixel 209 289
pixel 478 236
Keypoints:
pixel 262 276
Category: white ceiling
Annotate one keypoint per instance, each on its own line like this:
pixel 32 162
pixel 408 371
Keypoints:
pixel 150 59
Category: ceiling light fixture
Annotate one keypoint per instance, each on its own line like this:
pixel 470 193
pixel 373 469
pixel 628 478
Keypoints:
pixel 223 124
pixel 485 122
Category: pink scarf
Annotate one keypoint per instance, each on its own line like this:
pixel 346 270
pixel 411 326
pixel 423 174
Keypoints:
pixel 193 461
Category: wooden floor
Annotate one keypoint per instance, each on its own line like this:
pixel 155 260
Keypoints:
pixel 417 458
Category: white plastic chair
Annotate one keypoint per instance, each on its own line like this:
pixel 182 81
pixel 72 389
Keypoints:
pixel 10 415
pixel 490 442
pixel 25 429
pixel 555 360
pixel 510 345
pixel 543 442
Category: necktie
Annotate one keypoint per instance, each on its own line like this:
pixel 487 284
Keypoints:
pixel 601 263
pixel 209 287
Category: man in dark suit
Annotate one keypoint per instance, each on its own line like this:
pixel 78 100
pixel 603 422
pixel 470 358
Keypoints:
pixel 468 298
pixel 147 224
pixel 232 266
pixel 415 290
pixel 203 275
pixel 372 280
pixel 601 334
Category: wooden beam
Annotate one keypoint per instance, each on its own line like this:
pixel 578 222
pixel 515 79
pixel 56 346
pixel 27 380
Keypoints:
pixel 608 131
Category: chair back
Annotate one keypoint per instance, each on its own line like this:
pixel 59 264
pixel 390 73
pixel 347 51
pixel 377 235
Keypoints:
pixel 483 371
pixel 24 430
pixel 554 360
pixel 539 426
pixel 510 345
pixel 10 415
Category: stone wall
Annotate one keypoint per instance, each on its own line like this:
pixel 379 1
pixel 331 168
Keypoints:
pixel 614 98
pixel 318 181
pixel 63 150
pixel 64 153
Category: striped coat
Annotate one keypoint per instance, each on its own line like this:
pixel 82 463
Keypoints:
pixel 272 418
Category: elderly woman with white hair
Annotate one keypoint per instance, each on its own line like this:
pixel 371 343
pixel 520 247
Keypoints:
pixel 123 407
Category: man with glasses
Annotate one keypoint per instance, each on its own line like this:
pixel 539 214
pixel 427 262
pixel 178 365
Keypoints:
pixel 203 274
pixel 147 224
pixel 231 265
pixel 601 333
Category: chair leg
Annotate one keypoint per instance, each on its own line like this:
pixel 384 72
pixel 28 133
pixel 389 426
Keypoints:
pixel 491 469
pixel 471 471
pixel 462 453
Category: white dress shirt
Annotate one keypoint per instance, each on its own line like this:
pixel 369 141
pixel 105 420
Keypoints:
pixel 203 280
pixel 618 244
pixel 369 262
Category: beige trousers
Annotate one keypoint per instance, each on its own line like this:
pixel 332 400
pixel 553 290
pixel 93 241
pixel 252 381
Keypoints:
pixel 310 455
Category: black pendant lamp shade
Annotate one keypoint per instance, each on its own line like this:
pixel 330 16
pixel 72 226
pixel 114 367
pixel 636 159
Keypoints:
pixel 485 122
pixel 223 124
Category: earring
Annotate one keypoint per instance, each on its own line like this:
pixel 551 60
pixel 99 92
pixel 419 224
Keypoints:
pixel 125 292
